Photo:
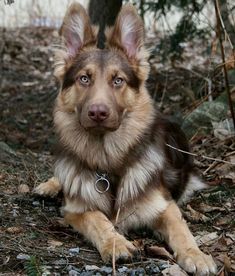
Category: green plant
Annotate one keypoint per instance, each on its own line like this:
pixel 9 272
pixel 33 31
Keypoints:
pixel 32 267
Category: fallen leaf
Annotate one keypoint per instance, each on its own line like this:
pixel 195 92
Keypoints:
pixel 227 263
pixel 14 230
pixel 23 189
pixel 223 221
pixel 139 243
pixel 195 216
pixel 205 208
pixel 157 251
pixel 174 270
pixel 230 62
pixel 206 238
pixel 54 243
pixel 231 236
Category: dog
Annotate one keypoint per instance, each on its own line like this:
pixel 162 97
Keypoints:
pixel 118 165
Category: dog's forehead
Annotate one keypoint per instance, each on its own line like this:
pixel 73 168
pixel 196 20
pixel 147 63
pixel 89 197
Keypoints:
pixel 100 60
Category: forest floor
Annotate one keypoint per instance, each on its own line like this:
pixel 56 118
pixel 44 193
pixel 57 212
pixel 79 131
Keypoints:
pixel 33 238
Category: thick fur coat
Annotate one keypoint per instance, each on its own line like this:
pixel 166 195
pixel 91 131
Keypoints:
pixel 108 127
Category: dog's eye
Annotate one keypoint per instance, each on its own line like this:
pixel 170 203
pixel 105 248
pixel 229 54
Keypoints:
pixel 84 79
pixel 118 81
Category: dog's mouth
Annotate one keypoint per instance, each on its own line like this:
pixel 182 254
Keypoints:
pixel 101 129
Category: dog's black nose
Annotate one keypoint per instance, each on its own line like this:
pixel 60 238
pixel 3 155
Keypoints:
pixel 98 112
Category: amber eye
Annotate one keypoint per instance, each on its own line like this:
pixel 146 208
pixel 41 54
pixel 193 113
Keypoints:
pixel 118 82
pixel 84 79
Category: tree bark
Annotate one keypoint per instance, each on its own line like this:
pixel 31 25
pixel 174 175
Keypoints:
pixel 230 28
pixel 103 13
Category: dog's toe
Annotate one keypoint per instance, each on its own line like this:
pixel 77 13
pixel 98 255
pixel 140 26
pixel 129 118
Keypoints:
pixel 50 188
pixel 119 248
pixel 195 261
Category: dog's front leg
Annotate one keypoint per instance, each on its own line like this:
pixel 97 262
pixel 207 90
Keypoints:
pixel 176 232
pixel 96 227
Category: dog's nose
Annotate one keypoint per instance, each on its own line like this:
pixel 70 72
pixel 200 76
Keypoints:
pixel 98 112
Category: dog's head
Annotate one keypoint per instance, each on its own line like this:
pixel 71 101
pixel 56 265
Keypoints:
pixel 100 86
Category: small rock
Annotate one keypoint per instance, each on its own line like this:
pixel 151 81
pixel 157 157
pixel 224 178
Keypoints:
pixel 139 271
pixel 46 270
pixel 152 269
pixel 74 251
pixel 60 262
pixel 22 257
pixel 73 273
pixel 91 267
pixel 23 189
pixel 88 273
pixel 175 98
pixel 106 269
pixel 36 203
pixel 122 269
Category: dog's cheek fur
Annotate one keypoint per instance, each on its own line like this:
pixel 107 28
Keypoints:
pixel 126 98
pixel 68 99
pixel 71 99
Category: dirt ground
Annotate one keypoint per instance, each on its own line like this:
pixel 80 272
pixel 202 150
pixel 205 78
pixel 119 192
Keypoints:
pixel 33 238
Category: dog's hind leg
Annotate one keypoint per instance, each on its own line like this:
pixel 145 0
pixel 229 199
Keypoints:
pixel 176 232
pixel 96 227
pixel 49 188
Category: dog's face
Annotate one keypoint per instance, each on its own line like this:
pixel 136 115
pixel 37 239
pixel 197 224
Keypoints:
pixel 101 86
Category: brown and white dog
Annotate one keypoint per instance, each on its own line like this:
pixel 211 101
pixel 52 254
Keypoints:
pixel 117 168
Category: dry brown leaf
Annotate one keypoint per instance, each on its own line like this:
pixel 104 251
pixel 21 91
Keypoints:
pixel 227 170
pixel 206 238
pixel 23 189
pixel 223 221
pixel 174 270
pixel 231 236
pixel 227 263
pixel 195 216
pixel 157 251
pixel 230 62
pixel 54 243
pixel 14 230
pixel 225 260
pixel 139 243
pixel 205 208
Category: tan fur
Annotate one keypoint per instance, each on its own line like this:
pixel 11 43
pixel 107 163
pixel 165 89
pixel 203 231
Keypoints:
pixel 111 152
pixel 139 197
pixel 96 227
pixel 175 230
pixel 49 188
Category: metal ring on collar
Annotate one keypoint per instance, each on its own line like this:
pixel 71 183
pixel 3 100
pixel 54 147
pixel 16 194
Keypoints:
pixel 102 179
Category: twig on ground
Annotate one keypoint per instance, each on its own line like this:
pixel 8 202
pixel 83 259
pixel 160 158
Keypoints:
pixel 203 156
pixel 114 240
pixel 212 166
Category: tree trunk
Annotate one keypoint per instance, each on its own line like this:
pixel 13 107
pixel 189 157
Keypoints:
pixel 103 13
pixel 230 28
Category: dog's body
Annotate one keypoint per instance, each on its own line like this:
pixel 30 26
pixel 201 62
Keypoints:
pixel 118 166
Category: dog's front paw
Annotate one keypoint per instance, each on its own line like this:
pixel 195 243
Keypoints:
pixel 195 261
pixel 119 247
pixel 49 188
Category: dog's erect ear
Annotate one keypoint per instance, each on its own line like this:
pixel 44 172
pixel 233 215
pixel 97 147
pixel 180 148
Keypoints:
pixel 76 29
pixel 128 31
